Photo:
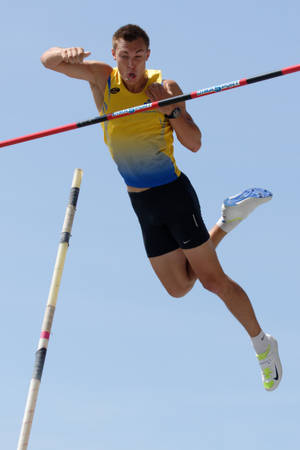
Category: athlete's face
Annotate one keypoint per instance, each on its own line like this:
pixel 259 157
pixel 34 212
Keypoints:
pixel 131 60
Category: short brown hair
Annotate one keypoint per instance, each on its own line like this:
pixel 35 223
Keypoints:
pixel 130 33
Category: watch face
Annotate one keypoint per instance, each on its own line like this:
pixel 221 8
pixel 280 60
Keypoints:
pixel 176 112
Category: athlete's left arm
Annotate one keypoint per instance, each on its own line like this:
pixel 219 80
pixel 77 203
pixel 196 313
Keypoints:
pixel 185 128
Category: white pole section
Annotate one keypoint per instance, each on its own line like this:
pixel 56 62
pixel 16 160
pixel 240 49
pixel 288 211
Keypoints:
pixel 40 355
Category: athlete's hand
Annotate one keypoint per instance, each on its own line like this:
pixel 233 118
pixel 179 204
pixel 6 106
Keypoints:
pixel 74 55
pixel 156 92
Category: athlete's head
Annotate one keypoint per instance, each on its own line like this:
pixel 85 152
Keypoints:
pixel 131 51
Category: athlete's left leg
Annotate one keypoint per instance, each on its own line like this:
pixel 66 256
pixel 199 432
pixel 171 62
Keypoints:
pixel 235 209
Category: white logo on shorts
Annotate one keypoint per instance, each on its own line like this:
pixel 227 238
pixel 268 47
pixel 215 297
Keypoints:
pixel 196 223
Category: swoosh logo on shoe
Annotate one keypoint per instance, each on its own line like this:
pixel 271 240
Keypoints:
pixel 277 376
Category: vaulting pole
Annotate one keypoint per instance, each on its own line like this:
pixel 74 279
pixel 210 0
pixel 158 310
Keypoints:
pixel 153 105
pixel 40 355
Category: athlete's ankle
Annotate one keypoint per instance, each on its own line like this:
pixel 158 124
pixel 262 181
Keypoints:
pixel 227 226
pixel 260 342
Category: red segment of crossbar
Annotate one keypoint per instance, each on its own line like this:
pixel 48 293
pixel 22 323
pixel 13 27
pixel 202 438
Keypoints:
pixel 39 134
pixel 291 69
pixel 243 81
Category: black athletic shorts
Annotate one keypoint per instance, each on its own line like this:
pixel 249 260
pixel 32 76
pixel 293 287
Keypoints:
pixel 170 217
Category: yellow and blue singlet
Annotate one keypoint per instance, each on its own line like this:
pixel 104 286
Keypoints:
pixel 141 146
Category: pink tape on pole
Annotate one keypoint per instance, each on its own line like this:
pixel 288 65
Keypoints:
pixel 45 335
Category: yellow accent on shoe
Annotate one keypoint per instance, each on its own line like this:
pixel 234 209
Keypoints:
pixel 268 384
pixel 267 373
pixel 234 220
pixel 262 356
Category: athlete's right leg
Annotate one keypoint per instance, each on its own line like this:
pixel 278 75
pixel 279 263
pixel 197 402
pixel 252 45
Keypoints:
pixel 174 270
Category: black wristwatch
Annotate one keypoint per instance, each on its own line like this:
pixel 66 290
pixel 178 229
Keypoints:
pixel 174 114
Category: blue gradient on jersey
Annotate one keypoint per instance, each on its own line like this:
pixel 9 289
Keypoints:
pixel 140 169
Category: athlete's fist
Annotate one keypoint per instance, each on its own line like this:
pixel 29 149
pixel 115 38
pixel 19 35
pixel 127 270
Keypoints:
pixel 74 55
pixel 156 92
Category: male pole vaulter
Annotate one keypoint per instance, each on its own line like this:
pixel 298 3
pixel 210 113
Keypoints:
pixel 179 247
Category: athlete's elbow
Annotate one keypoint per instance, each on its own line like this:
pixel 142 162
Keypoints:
pixel 45 60
pixel 196 147
pixel 51 58
pixel 191 144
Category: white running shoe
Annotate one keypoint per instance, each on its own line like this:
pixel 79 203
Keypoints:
pixel 238 207
pixel 270 365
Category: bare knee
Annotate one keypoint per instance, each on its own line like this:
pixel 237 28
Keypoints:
pixel 217 285
pixel 179 291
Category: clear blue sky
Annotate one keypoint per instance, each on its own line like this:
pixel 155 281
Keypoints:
pixel 129 368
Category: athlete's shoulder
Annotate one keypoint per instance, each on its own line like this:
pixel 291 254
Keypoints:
pixel 154 75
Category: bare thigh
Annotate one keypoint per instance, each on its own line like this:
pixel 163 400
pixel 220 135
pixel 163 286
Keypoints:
pixel 174 272
pixel 178 270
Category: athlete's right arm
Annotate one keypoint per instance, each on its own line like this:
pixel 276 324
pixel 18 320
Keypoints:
pixel 70 61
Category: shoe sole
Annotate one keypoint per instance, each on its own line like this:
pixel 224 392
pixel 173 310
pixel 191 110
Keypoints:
pixel 261 195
